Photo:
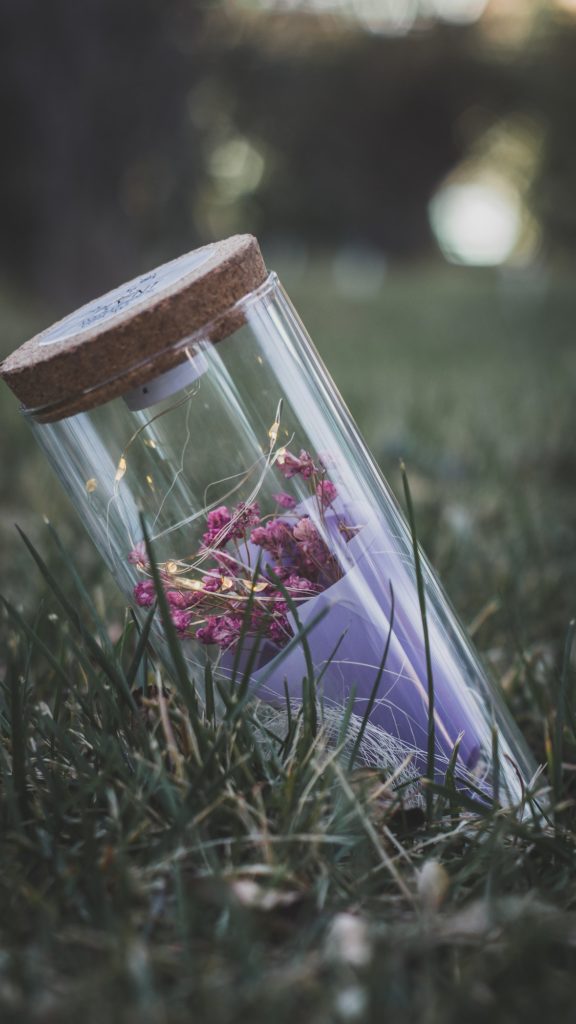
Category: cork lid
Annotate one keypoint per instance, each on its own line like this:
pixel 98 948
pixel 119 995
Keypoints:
pixel 135 332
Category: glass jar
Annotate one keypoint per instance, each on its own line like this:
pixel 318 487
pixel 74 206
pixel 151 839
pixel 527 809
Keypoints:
pixel 192 400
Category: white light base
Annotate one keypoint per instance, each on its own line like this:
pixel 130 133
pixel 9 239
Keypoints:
pixel 167 384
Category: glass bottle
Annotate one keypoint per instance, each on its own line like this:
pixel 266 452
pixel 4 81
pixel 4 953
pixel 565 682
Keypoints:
pixel 193 401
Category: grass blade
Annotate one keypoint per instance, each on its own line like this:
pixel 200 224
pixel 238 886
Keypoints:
pixel 376 685
pixel 430 752
pixel 113 671
pixel 560 714
pixel 140 646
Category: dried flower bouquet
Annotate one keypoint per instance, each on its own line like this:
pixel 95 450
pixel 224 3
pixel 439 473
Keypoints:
pixel 319 554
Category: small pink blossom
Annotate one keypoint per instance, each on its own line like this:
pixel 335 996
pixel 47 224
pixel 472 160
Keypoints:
pixel 300 583
pixel 223 630
pixel 217 520
pixel 276 538
pixel 181 620
pixel 314 553
pixel 307 464
pixel 228 630
pixel 284 500
pixel 290 465
pixel 212 581
pixel 139 556
pixel 257 620
pixel 183 599
pixel 279 630
pixel 326 493
pixel 145 593
pixel 306 535
pixel 206 633
pixel 244 517
pixel 227 564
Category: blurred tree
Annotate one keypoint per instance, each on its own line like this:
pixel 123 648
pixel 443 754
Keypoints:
pixel 99 154
pixel 549 92
pixel 360 131
pixel 133 130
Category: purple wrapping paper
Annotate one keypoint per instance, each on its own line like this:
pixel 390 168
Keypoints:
pixel 357 622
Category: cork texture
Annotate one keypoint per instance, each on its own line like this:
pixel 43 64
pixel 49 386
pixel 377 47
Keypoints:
pixel 78 364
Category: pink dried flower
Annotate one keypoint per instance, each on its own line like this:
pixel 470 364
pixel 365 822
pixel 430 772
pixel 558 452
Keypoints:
pixel 228 630
pixel 145 593
pixel 227 564
pixel 279 603
pixel 212 581
pixel 276 538
pixel 206 633
pixel 257 619
pixel 139 556
pixel 282 571
pixel 181 620
pixel 314 553
pixel 307 537
pixel 218 519
pixel 259 536
pixel 326 493
pixel 223 630
pixel 290 465
pixel 279 630
pixel 307 464
pixel 296 554
pixel 183 599
pixel 244 516
pixel 284 500
pixel 301 583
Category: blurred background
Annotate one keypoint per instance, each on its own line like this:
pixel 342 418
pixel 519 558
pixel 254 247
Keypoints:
pixel 409 167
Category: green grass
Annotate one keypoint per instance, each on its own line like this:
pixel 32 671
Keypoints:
pixel 160 867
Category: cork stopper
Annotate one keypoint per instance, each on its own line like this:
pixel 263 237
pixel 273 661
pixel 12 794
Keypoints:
pixel 136 332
